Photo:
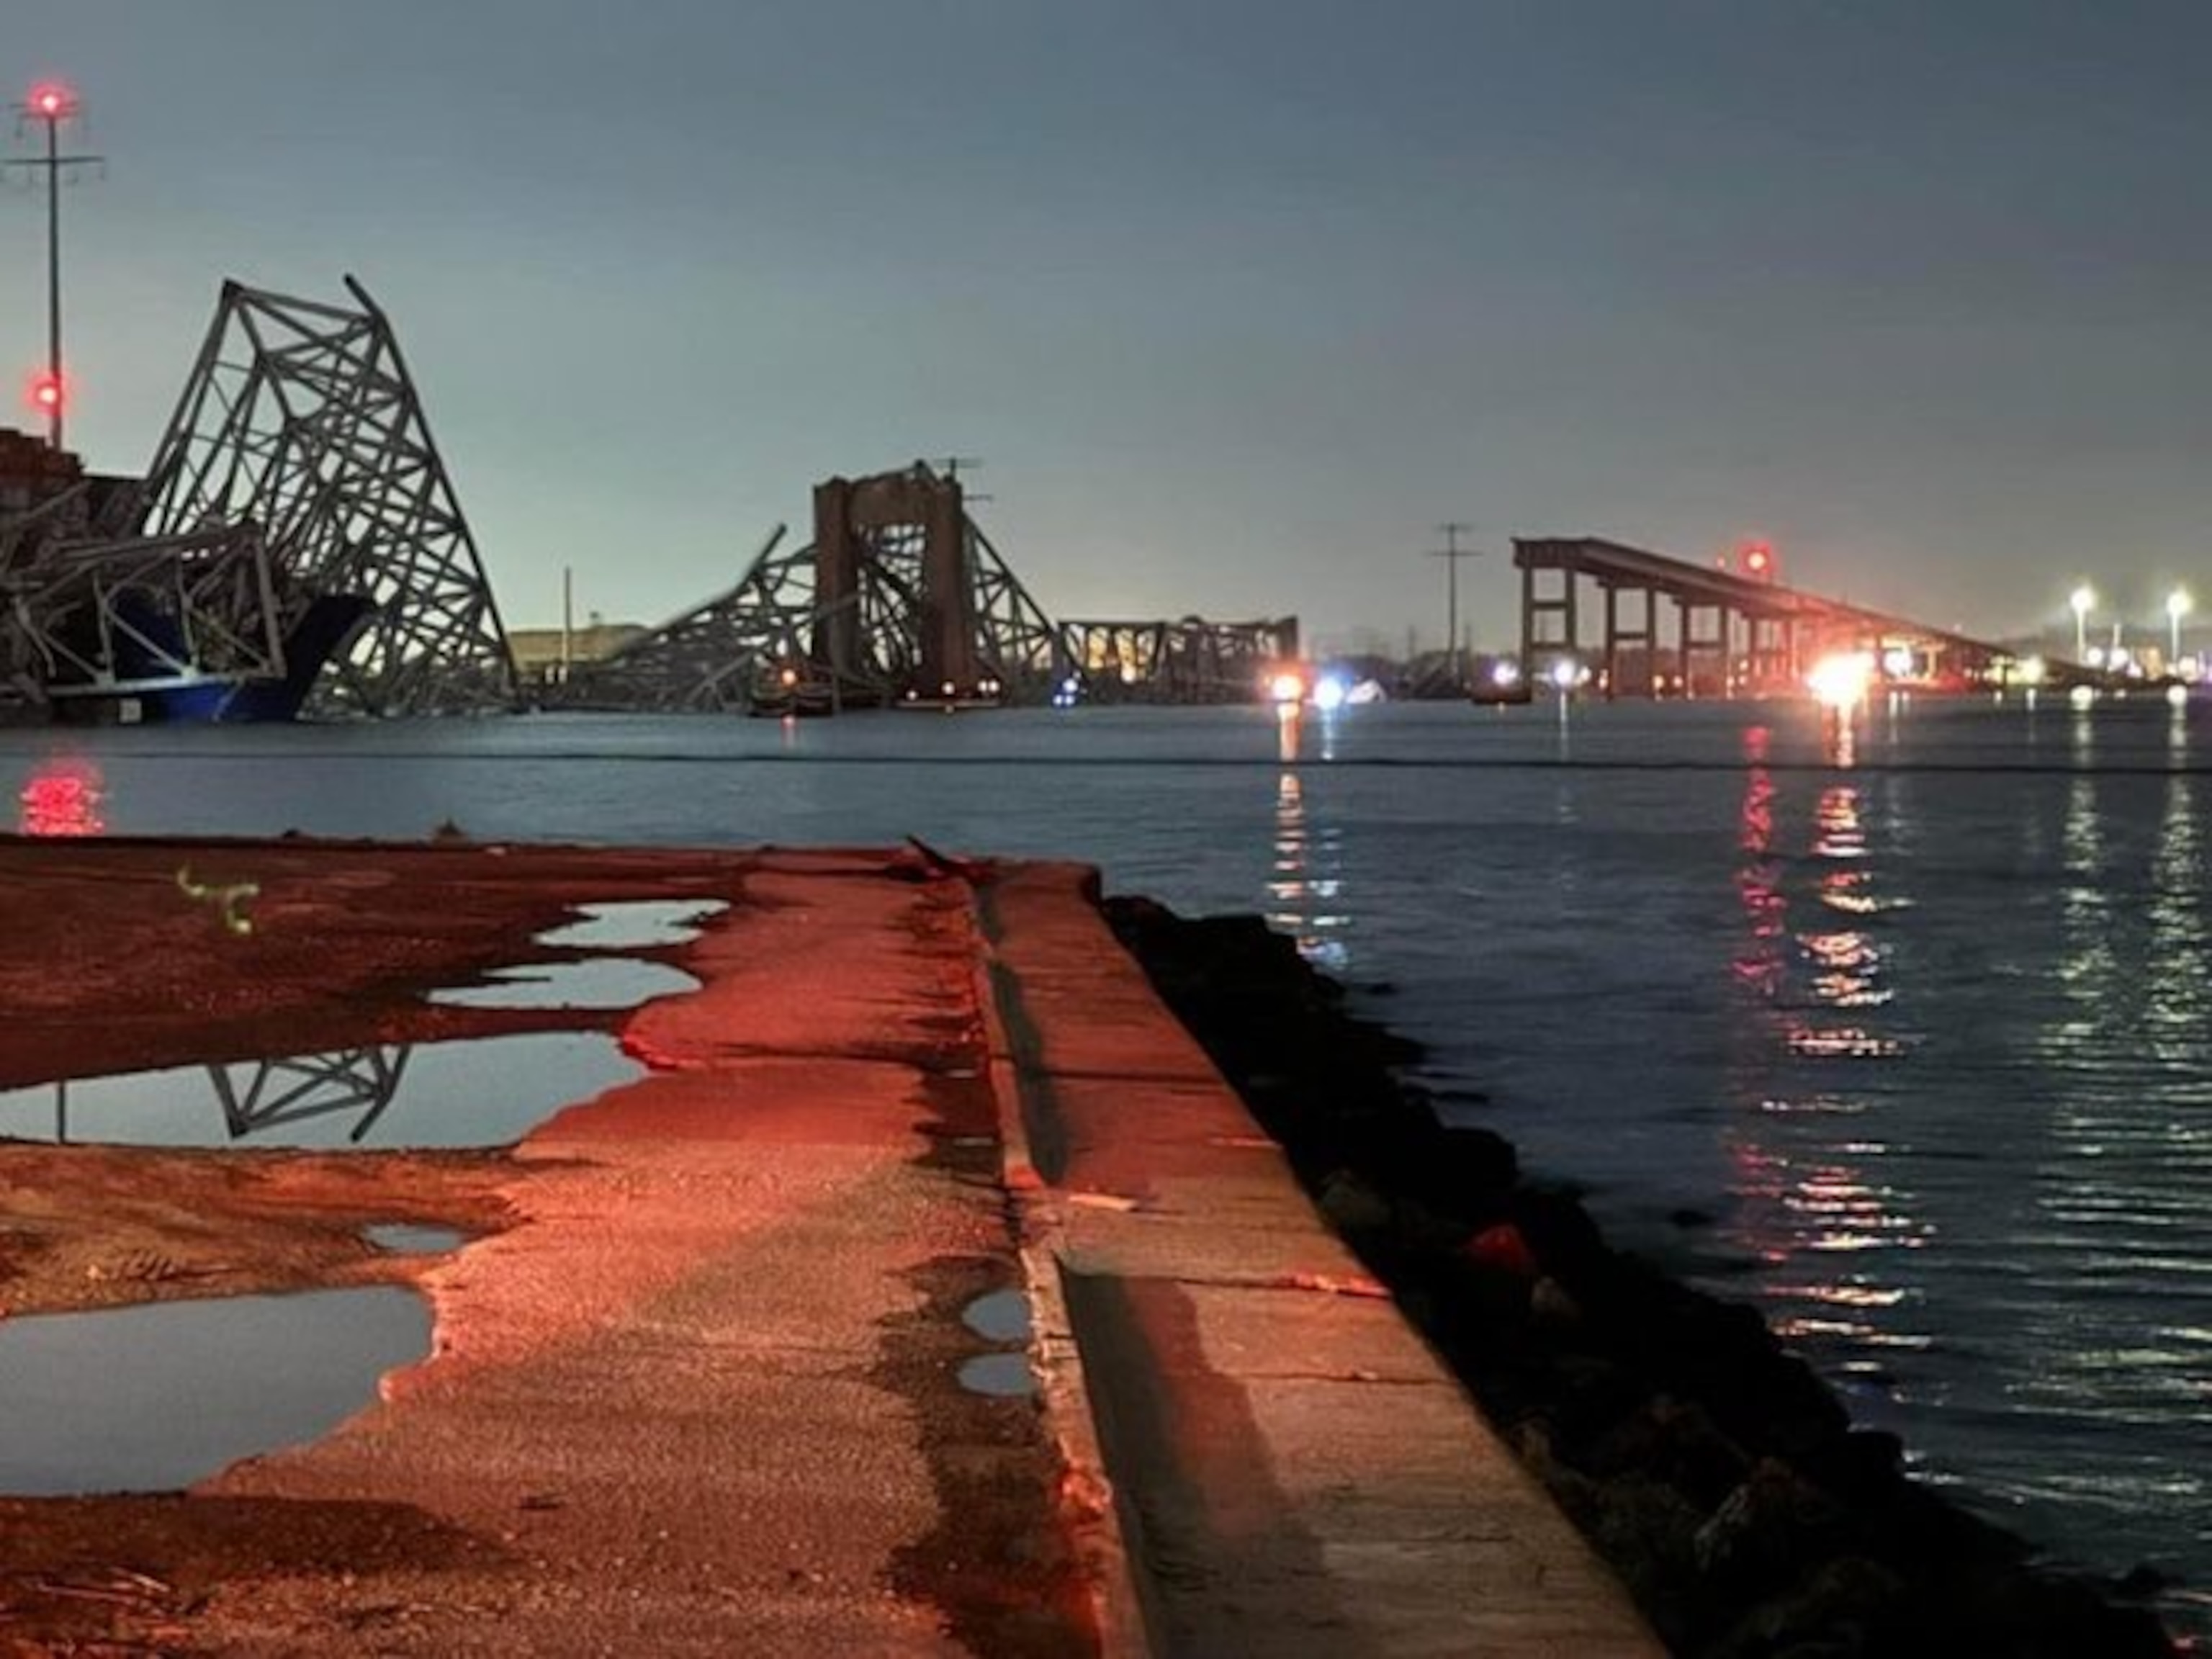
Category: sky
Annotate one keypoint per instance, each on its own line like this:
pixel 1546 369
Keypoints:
pixel 1236 301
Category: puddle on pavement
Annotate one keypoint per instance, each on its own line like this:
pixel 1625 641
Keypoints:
pixel 414 1238
pixel 1000 1317
pixel 1005 1374
pixel 149 1399
pixel 488 1091
pixel 632 925
pixel 602 982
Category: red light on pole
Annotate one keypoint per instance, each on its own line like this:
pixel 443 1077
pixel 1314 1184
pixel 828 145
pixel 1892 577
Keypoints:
pixel 1756 560
pixel 52 102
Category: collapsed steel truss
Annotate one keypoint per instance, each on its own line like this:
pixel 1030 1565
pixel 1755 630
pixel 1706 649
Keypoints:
pixel 300 417
pixel 710 657
pixel 114 617
pixel 296 540
pixel 1190 660
pixel 901 598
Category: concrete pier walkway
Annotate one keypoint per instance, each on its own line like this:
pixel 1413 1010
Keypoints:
pixel 711 1391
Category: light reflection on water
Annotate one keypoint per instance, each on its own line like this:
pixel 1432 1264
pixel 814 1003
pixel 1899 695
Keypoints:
pixel 1928 1034
pixel 2017 1089
pixel 1305 893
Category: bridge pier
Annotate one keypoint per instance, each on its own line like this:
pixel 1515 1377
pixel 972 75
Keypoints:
pixel 1618 634
pixel 1547 621
pixel 1734 634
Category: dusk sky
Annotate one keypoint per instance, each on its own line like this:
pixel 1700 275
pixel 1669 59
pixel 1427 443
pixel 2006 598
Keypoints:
pixel 1236 299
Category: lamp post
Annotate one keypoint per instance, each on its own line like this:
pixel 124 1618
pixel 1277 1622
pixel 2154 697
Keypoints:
pixel 2083 599
pixel 2178 606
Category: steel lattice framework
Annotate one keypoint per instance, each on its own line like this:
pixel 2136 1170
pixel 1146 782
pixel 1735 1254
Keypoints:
pixel 901 598
pixel 899 595
pixel 1190 660
pixel 299 418
pixel 105 619
pixel 710 659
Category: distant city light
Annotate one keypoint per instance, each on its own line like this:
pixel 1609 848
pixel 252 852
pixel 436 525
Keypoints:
pixel 2178 695
pixel 1566 673
pixel 1505 674
pixel 2034 671
pixel 2083 696
pixel 1288 687
pixel 1330 693
pixel 2082 600
pixel 1897 661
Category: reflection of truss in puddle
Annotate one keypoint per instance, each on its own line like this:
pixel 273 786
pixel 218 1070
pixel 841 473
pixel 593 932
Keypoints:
pixel 310 1086
pixel 260 1095
pixel 483 1092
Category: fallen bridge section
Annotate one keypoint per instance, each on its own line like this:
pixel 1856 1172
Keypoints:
pixel 900 599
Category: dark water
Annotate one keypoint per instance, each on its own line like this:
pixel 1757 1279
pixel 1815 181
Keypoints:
pixel 1916 1025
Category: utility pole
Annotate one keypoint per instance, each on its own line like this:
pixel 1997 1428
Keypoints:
pixel 52 102
pixel 1451 553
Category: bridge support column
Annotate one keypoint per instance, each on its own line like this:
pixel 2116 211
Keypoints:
pixel 1618 634
pixel 1547 623
pixel 836 578
pixel 1694 647
pixel 948 625
pixel 1773 652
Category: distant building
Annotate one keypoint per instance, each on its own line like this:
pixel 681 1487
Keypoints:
pixel 541 660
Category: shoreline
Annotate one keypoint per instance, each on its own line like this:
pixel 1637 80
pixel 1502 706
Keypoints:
pixel 1716 1474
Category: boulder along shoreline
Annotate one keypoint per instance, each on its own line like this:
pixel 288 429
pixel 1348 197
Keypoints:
pixel 1718 1474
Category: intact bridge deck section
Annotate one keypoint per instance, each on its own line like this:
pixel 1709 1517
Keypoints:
pixel 1731 634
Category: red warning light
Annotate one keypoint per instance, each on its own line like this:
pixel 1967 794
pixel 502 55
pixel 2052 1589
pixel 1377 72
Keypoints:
pixel 50 101
pixel 1756 560
pixel 46 393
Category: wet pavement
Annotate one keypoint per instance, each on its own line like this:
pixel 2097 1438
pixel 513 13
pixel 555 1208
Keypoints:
pixel 929 1294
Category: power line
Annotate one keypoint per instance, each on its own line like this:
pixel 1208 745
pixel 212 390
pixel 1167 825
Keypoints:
pixel 1451 553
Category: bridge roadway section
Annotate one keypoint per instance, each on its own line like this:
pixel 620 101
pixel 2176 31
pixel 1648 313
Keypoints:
pixel 703 1396
pixel 1732 632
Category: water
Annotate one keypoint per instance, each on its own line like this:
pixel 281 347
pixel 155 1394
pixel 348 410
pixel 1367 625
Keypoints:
pixel 414 1238
pixel 597 982
pixel 1924 1028
pixel 483 1092
pixel 998 1316
pixel 1007 1376
pixel 634 924
pixel 152 1398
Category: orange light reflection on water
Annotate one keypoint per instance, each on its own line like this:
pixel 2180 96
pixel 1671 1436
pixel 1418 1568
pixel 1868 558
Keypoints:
pixel 1811 1201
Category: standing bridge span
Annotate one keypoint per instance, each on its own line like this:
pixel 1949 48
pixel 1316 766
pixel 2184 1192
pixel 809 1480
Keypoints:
pixel 1650 626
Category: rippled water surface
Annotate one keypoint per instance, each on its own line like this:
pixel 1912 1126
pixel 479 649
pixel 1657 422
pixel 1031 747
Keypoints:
pixel 1901 1032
